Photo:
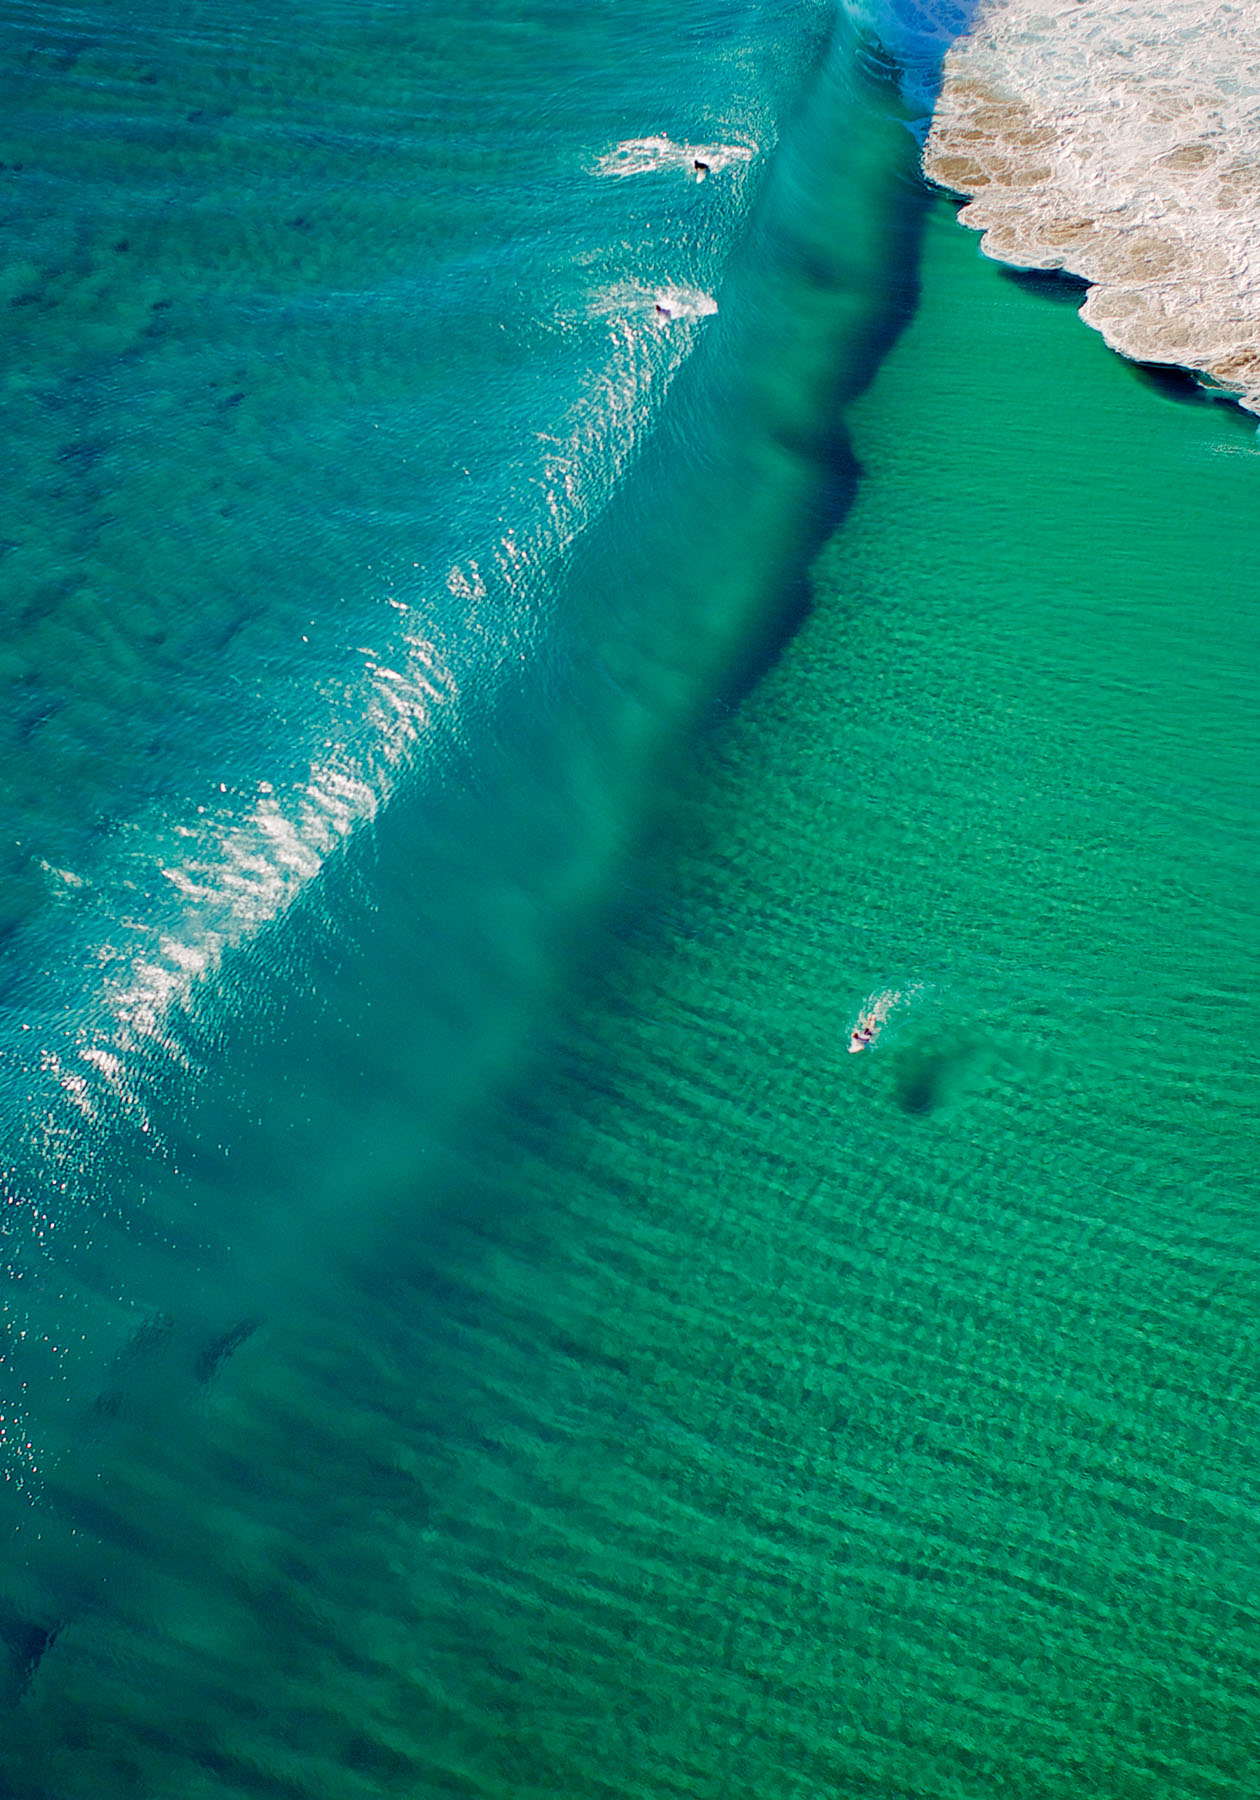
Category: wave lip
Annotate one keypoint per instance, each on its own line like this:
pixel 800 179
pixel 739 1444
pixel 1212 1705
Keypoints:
pixel 1120 142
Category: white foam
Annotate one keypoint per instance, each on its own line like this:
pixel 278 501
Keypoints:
pixel 878 1008
pixel 651 155
pixel 683 303
pixel 639 305
pixel 1120 141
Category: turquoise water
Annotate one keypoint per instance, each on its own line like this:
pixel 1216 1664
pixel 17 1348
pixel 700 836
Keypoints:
pixel 485 1332
pixel 334 335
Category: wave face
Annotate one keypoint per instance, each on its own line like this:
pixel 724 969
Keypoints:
pixel 325 359
pixel 326 354
pixel 421 422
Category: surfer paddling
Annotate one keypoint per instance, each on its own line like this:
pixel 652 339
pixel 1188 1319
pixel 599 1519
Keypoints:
pixel 875 1014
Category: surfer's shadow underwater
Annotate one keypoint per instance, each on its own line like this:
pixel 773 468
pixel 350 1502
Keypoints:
pixel 930 1062
pixel 927 1075
pixel 936 1071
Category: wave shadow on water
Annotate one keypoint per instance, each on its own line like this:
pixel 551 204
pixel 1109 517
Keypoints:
pixel 1050 284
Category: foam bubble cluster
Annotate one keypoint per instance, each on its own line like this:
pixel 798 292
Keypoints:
pixel 1120 141
pixel 649 155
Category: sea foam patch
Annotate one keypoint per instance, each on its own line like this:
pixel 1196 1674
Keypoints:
pixel 1119 141
pixel 649 155
pixel 632 305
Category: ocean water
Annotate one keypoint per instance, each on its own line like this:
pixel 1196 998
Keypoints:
pixel 477 743
pixel 329 345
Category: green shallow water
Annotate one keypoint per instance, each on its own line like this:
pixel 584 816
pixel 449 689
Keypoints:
pixel 760 1420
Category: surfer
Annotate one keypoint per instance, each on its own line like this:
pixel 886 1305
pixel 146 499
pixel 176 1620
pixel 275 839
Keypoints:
pixel 862 1034
pixel 701 168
